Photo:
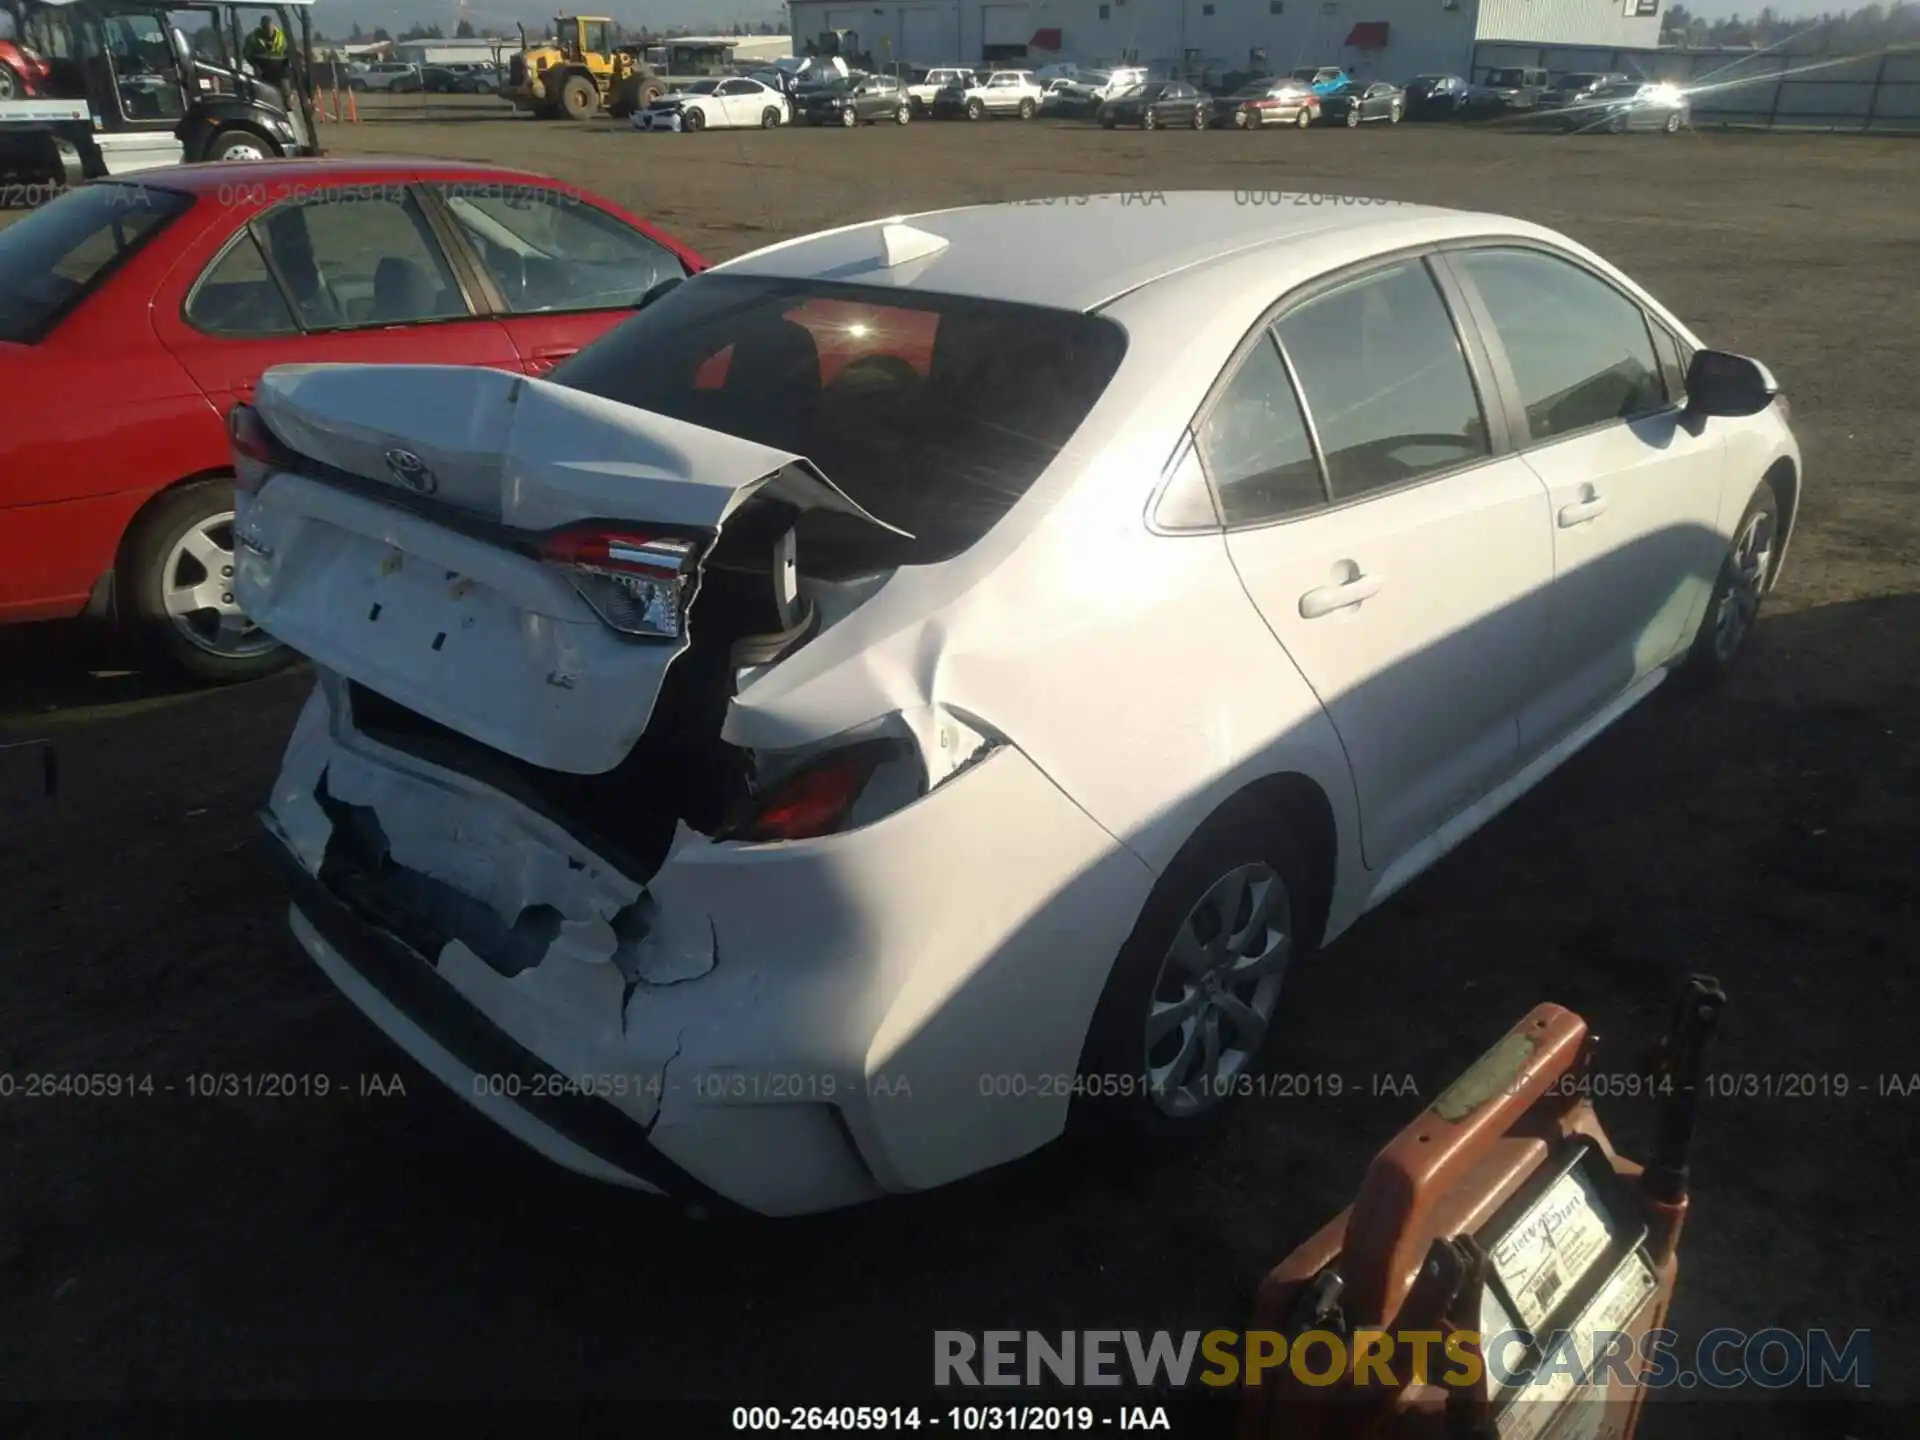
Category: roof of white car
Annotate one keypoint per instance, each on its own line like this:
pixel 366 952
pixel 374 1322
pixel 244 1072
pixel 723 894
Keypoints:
pixel 1078 252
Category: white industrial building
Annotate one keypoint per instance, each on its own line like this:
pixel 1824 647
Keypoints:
pixel 1377 39
pixel 449 52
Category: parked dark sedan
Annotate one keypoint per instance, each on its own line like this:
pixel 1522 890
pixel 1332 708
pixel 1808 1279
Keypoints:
pixel 1378 101
pixel 1436 97
pixel 1157 104
pixel 852 102
pixel 1632 105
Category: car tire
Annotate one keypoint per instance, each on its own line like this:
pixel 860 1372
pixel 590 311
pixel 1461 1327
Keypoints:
pixel 1616 124
pixel 1199 118
pixel 1242 120
pixel 769 119
pixel 578 98
pixel 161 557
pixel 359 85
pixel 1245 852
pixel 903 115
pixel 976 110
pixel 1746 574
pixel 1027 109
pixel 1304 120
pixel 1673 123
pixel 1149 120
pixel 1394 115
pixel 10 86
pixel 693 120
pixel 1353 117
pixel 848 119
pixel 234 145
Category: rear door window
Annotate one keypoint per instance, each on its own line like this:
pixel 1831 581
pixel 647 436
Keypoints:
pixel 360 258
pixel 55 257
pixel 549 251
pixel 238 295
pixel 1386 382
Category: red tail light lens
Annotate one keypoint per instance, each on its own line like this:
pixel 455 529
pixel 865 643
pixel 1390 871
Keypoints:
pixel 819 798
pixel 637 583
pixel 254 452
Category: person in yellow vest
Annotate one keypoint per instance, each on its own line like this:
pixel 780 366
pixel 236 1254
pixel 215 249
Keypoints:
pixel 266 51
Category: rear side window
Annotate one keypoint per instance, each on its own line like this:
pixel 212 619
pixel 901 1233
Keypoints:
pixel 1579 349
pixel 935 412
pixel 1385 381
pixel 237 296
pixel 61 253
pixel 1254 442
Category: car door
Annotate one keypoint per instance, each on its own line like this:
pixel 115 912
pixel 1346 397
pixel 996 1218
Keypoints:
pixel 562 270
pixel 1397 550
pixel 1634 486
pixel 733 104
pixel 144 80
pixel 1379 101
pixel 349 274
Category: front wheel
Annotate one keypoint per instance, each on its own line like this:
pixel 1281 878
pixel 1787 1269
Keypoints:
pixel 1393 115
pixel 1188 1008
pixel 1303 119
pixel 1353 117
pixel 976 110
pixel 1673 123
pixel 1149 120
pixel 1199 118
pixel 1746 572
pixel 578 98
pixel 176 577
pixel 1243 119
pixel 848 119
pixel 9 82
pixel 239 145
pixel 693 120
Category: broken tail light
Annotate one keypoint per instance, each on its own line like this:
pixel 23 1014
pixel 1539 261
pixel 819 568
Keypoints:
pixel 637 583
pixel 256 454
pixel 821 796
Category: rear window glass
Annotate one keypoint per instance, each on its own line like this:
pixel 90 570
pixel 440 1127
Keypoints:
pixel 935 412
pixel 57 256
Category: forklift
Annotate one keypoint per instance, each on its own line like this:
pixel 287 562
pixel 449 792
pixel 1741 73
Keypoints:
pixel 119 86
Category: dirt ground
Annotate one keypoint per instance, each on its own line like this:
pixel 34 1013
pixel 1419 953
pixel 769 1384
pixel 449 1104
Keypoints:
pixel 398 1246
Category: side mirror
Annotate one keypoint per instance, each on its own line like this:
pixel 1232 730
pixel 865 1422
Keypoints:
pixel 1728 385
pixel 656 291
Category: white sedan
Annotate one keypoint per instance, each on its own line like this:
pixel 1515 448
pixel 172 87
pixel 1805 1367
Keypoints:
pixel 922 687
pixel 717 104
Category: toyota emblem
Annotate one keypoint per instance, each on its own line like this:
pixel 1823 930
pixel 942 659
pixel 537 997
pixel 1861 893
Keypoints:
pixel 411 471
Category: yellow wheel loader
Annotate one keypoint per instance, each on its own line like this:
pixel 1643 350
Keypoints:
pixel 578 72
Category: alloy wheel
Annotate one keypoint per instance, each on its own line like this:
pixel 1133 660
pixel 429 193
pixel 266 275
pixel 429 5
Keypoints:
pixel 196 584
pixel 1217 989
pixel 1750 562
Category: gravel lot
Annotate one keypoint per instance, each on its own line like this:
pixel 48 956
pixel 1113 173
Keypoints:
pixel 398 1246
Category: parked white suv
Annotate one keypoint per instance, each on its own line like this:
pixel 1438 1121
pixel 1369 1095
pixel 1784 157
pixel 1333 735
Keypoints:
pixel 927 85
pixel 1005 92
pixel 387 75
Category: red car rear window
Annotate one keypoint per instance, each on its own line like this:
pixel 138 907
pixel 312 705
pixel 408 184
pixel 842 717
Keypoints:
pixel 63 252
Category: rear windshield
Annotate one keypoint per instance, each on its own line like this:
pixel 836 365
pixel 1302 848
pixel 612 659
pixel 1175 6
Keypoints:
pixel 57 256
pixel 935 412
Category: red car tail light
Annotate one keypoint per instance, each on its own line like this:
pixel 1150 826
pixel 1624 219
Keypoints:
pixel 638 583
pixel 819 798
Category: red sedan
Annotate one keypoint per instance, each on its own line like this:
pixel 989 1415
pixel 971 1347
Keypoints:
pixel 134 313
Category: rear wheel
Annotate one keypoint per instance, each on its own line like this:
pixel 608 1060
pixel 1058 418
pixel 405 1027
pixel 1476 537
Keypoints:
pixel 1303 119
pixel 239 145
pixel 1189 1006
pixel 769 118
pixel 1026 109
pixel 578 98
pixel 1243 119
pixel 1199 117
pixel 903 115
pixel 1673 123
pixel 176 577
pixel 1393 115
pixel 1149 120
pixel 848 119
pixel 1353 117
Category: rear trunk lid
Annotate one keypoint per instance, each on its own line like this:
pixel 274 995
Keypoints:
pixel 444 536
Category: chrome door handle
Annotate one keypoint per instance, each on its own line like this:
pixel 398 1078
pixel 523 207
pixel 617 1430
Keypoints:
pixel 1329 598
pixel 1582 511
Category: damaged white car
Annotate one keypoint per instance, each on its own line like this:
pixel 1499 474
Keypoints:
pixel 919 686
